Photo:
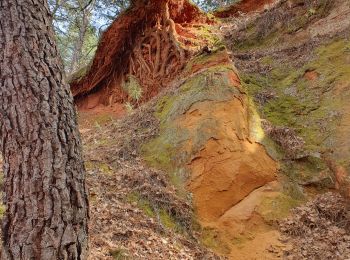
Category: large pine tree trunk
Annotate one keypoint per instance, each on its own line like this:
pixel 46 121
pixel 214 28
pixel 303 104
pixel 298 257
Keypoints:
pixel 45 197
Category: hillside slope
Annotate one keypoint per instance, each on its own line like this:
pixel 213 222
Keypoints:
pixel 214 159
pixel 239 149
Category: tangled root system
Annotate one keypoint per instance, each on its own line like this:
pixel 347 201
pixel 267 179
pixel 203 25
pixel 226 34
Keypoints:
pixel 142 43
pixel 158 56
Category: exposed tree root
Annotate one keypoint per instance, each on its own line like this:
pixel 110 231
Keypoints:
pixel 158 56
pixel 142 43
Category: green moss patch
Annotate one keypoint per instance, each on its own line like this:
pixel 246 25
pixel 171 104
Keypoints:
pixel 142 203
pixel 99 166
pixel 305 105
pixel 2 210
pixel 272 26
pixel 211 238
pixel 218 53
pixel 312 107
pixel 156 212
pixel 167 220
pixel 119 254
pixel 277 208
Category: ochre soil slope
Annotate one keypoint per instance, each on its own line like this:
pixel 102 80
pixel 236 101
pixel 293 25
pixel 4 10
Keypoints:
pixel 192 167
pixel 206 137
pixel 200 135
pixel 189 173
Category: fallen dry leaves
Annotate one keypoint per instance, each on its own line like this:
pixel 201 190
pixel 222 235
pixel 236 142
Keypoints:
pixel 319 229
pixel 119 228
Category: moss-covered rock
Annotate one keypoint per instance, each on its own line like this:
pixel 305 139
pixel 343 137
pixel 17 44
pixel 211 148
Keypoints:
pixel 210 137
pixel 214 84
pixel 312 100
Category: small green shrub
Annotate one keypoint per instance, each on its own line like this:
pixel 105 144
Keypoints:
pixel 2 210
pixel 133 88
pixel 119 254
pixel 142 203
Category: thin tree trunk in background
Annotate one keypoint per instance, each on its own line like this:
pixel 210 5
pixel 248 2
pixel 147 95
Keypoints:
pixel 44 177
pixel 78 46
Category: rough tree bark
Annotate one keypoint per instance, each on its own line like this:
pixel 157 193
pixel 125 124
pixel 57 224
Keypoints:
pixel 44 177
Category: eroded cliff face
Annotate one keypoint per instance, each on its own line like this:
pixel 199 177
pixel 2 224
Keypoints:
pixel 230 164
pixel 211 142
pixel 293 60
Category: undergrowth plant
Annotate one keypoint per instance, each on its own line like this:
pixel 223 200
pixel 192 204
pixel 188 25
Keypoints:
pixel 133 89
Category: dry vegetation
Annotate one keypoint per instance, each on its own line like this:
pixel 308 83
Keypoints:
pixel 319 229
pixel 287 138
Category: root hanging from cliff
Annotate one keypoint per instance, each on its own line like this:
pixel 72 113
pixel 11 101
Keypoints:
pixel 157 57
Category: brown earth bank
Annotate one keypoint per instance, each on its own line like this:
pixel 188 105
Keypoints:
pixel 210 139
pixel 192 168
